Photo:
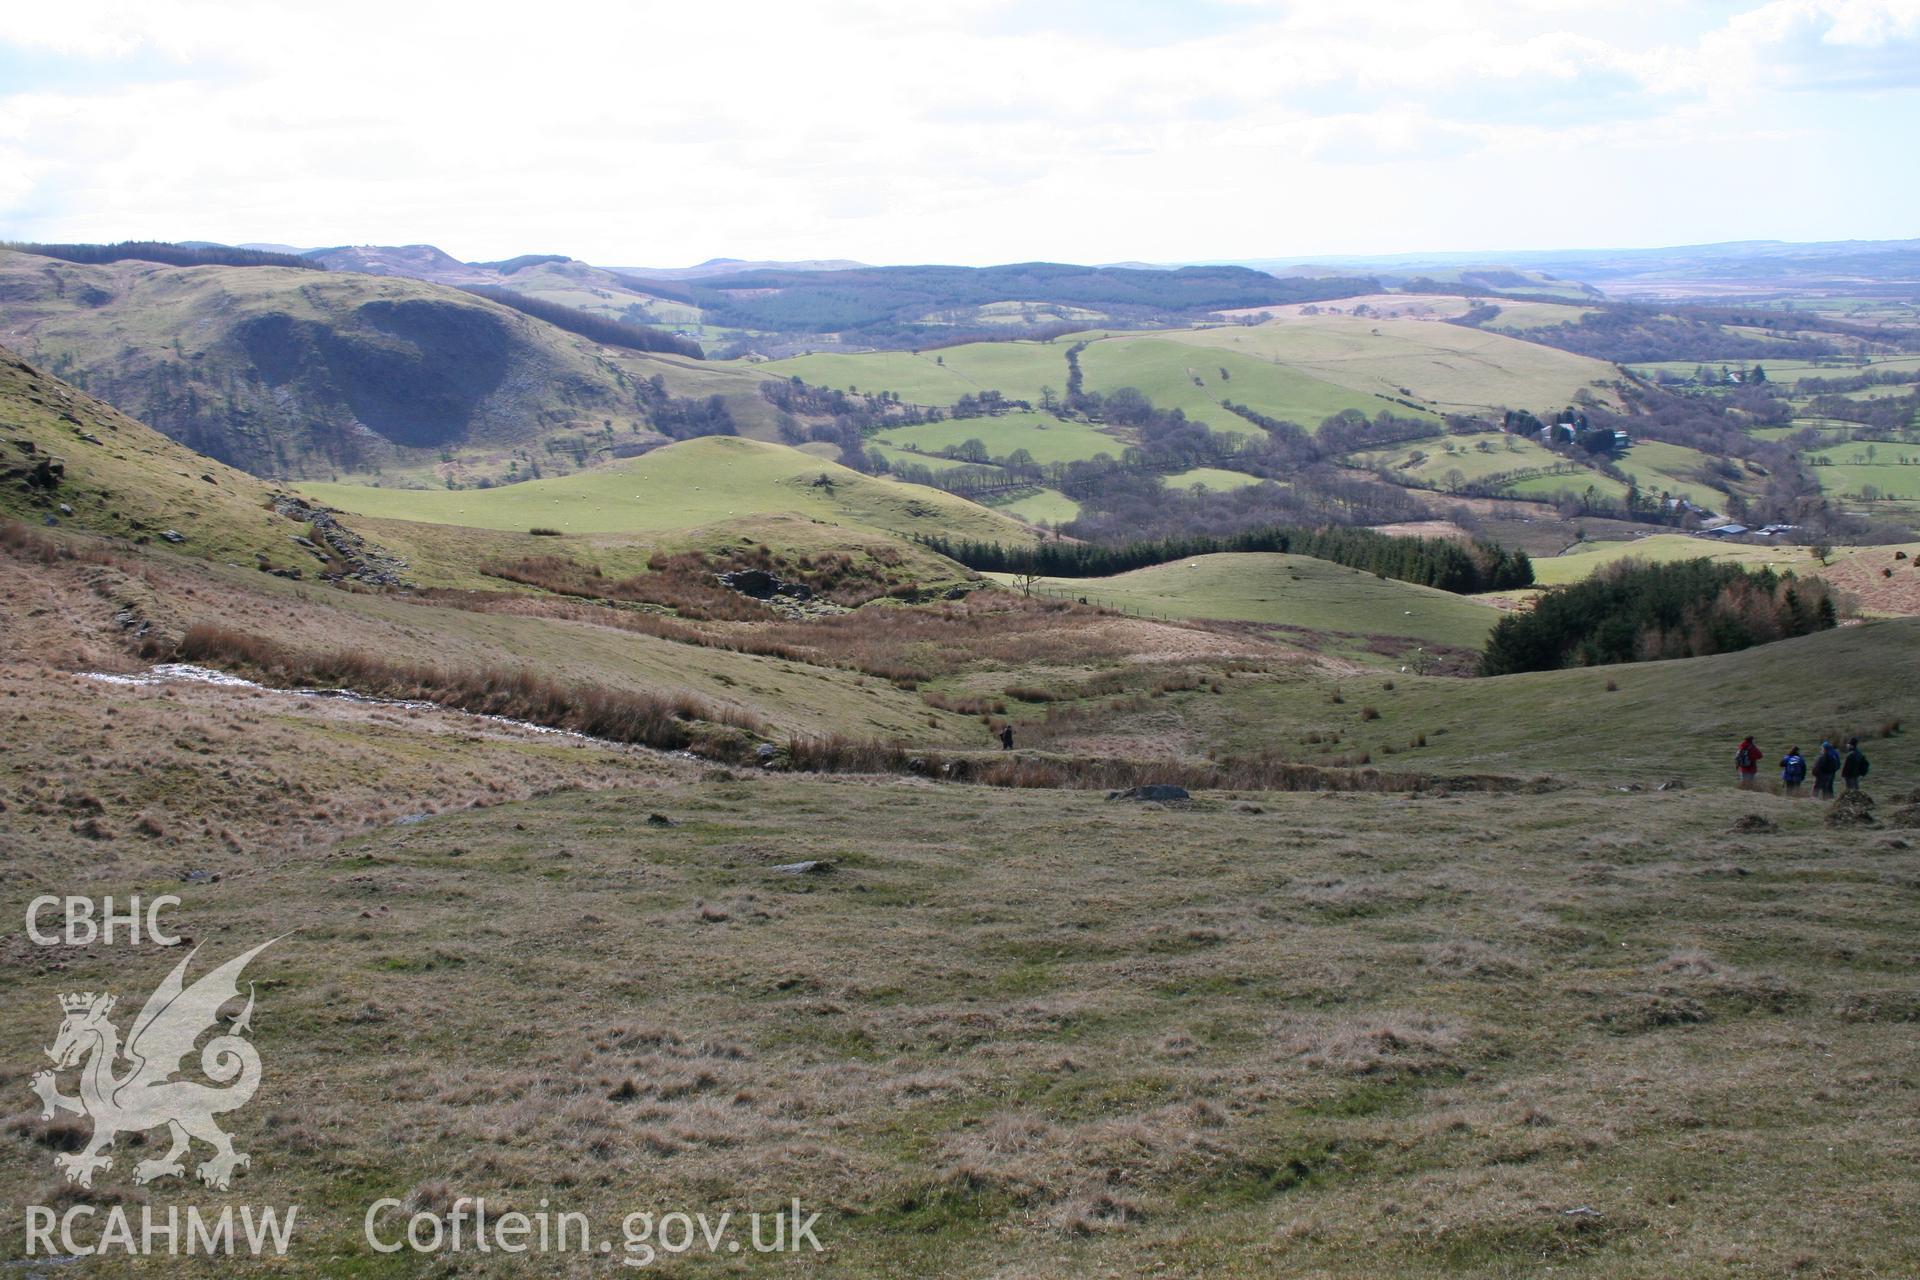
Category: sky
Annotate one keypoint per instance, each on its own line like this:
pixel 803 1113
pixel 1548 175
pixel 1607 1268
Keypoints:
pixel 971 131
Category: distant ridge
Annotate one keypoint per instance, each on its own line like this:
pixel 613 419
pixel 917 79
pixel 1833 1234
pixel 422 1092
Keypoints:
pixel 732 266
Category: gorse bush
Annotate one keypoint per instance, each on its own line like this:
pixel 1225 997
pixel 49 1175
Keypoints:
pixel 1444 563
pixel 1637 612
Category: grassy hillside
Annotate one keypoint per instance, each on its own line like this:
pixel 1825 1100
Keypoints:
pixel 1178 374
pixel 695 482
pixel 306 373
pixel 1295 367
pixel 1663 720
pixel 1288 590
pixel 1018 370
pixel 115 476
pixel 1443 367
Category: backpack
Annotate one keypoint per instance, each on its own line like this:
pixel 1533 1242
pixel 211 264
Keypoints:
pixel 1794 769
pixel 1744 758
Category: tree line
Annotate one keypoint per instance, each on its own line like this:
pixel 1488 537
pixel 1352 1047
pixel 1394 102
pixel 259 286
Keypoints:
pixel 1442 563
pixel 1636 612
pixel 173 255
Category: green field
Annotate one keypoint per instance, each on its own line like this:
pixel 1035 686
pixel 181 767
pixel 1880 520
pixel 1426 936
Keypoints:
pixel 1846 471
pixel 1175 375
pixel 1445 367
pixel 1287 590
pixel 1433 462
pixel 1047 506
pixel 695 482
pixel 1018 370
pixel 1660 468
pixel 1789 372
pixel 1044 436
pixel 1519 317
pixel 1213 478
pixel 1660 548
pixel 1577 481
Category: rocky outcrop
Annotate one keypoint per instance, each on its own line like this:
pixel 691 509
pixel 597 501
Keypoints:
pixel 333 544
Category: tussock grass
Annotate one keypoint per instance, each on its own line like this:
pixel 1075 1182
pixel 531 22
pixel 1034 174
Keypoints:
pixel 840 754
pixel 665 721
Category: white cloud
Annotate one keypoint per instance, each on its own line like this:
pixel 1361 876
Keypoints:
pixel 969 131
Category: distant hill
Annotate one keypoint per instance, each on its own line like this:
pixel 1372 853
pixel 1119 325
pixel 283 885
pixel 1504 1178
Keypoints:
pixel 313 373
pixel 906 306
pixel 733 266
pixel 1733 268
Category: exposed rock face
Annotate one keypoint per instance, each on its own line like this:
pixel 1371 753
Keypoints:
pixel 333 541
pixel 761 585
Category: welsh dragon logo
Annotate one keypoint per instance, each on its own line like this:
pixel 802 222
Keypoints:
pixel 144 1095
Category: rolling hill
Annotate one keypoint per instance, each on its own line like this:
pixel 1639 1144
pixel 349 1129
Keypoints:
pixel 312 373
pixel 1294 367
pixel 1287 591
pixel 692 483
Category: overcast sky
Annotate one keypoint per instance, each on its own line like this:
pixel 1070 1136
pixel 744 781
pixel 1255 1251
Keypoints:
pixel 971 131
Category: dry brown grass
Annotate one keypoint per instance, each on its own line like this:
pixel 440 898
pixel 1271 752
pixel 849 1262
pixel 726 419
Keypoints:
pixel 669 722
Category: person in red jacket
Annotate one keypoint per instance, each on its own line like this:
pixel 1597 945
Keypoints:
pixel 1746 762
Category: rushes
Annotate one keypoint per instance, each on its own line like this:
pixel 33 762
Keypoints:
pixel 663 720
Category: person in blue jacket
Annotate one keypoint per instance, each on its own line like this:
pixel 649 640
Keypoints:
pixel 1793 771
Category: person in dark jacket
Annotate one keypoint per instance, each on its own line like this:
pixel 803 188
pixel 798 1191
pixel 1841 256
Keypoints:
pixel 1854 767
pixel 1006 737
pixel 1793 771
pixel 1825 766
pixel 1746 762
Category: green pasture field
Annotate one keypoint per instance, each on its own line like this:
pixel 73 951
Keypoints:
pixel 1659 467
pixel 1661 548
pixel 1213 478
pixel 1047 506
pixel 1287 590
pixel 1046 437
pixel 1447 368
pixel 1017 370
pixel 1520 317
pixel 1187 376
pixel 1503 453
pixel 1845 471
pixel 1572 482
pixel 695 482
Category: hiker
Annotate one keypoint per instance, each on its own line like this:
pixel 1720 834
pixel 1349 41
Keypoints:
pixel 1855 767
pixel 1824 767
pixel 1006 737
pixel 1793 771
pixel 1746 762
